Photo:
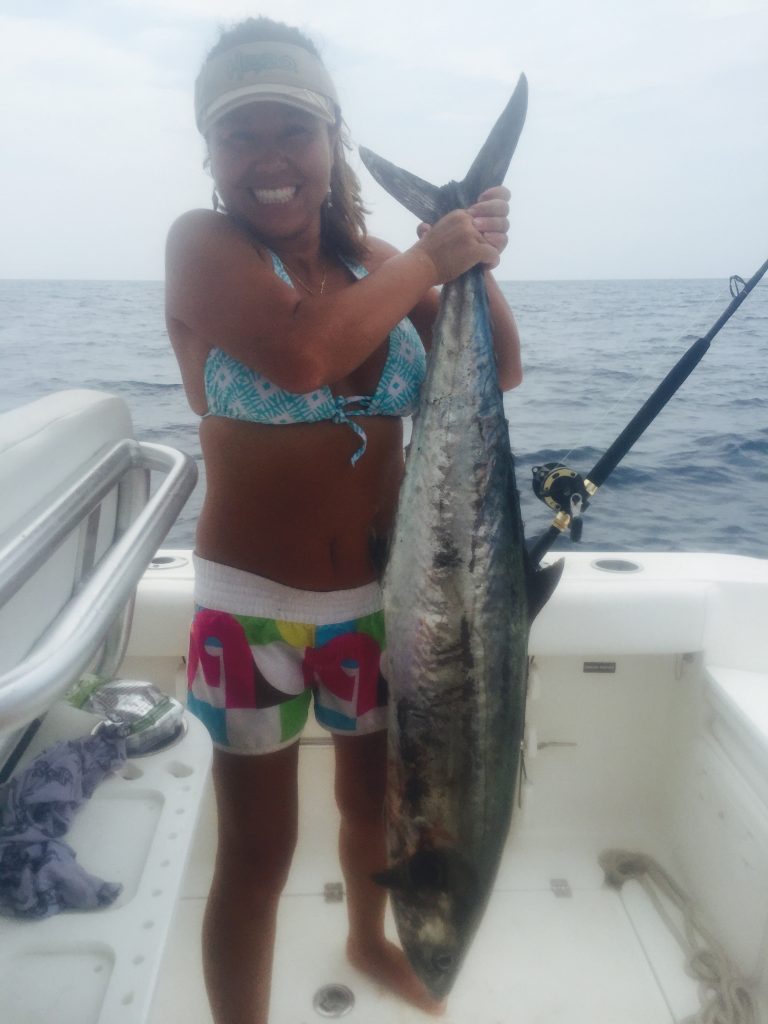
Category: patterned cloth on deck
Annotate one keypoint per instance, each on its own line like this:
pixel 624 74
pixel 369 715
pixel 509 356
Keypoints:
pixel 39 875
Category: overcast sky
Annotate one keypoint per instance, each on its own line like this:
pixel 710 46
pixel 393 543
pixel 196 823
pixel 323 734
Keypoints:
pixel 645 152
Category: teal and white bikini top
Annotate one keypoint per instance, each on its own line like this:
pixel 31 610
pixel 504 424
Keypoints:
pixel 235 391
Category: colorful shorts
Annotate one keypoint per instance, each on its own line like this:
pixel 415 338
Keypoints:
pixel 259 651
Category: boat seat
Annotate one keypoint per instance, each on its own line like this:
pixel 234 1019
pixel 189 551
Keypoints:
pixel 79 523
pixel 744 695
pixel 78 528
pixel 739 700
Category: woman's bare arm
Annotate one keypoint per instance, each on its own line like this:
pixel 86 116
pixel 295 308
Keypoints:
pixel 222 289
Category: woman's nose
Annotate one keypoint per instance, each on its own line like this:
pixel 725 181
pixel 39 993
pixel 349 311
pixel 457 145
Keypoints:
pixel 268 155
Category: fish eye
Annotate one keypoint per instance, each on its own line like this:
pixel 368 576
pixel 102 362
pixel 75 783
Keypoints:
pixel 442 961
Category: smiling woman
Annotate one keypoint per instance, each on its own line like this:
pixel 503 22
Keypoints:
pixel 301 343
pixel 291 151
pixel 286 68
pixel 270 155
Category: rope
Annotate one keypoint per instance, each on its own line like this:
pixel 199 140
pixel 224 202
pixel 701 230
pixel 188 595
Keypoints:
pixel 722 991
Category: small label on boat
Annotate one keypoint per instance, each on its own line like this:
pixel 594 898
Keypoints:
pixel 601 667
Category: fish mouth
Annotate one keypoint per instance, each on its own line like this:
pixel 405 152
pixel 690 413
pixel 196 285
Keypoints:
pixel 437 969
pixel 273 196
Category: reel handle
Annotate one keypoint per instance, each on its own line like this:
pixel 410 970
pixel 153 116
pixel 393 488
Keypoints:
pixel 566 492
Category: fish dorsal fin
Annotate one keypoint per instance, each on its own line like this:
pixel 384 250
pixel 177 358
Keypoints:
pixel 395 877
pixel 492 162
pixel 427 201
pixel 415 194
pixel 540 584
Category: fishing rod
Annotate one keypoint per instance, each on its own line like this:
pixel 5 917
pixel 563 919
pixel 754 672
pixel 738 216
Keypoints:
pixel 567 492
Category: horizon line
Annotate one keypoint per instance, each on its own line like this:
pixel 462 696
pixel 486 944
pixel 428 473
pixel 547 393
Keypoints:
pixel 505 280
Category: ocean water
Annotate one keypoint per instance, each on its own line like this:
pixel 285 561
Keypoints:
pixel 593 351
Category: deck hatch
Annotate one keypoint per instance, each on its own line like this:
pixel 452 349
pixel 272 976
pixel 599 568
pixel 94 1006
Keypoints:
pixel 561 888
pixel 333 892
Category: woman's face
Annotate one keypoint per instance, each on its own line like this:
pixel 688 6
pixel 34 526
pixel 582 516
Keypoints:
pixel 272 167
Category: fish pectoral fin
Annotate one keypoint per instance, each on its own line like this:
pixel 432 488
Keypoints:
pixel 439 870
pixel 415 194
pixel 540 584
pixel 395 877
pixel 433 870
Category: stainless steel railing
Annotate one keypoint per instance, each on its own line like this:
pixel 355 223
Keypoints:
pixel 92 628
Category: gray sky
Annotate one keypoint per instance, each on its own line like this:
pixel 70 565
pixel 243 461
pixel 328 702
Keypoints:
pixel 645 152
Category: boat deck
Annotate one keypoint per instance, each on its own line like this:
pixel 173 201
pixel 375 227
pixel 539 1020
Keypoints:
pixel 646 730
pixel 589 956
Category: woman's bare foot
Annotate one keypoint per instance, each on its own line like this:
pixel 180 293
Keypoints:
pixel 387 964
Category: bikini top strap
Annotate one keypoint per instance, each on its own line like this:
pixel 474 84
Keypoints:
pixel 356 269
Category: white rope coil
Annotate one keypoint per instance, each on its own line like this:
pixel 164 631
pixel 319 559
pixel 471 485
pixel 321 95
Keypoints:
pixel 725 998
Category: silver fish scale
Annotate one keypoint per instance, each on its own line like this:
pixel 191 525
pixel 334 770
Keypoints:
pixel 457 630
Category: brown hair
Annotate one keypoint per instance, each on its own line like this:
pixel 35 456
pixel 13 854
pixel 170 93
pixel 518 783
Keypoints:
pixel 343 229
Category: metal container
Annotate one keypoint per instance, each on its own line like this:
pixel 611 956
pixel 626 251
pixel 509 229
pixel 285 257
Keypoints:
pixel 149 719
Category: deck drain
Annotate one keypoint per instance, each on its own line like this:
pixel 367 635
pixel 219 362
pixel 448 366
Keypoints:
pixel 168 562
pixel 333 1000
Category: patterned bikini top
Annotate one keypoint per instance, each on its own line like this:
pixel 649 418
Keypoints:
pixel 236 391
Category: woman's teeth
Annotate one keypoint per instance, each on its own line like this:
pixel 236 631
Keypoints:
pixel 273 195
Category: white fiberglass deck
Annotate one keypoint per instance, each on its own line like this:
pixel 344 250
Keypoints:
pixel 646 730
pixel 590 958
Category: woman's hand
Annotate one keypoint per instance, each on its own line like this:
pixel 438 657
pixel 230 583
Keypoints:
pixel 454 245
pixel 490 214
pixel 464 238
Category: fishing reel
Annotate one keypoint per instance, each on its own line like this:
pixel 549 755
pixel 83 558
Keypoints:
pixel 566 492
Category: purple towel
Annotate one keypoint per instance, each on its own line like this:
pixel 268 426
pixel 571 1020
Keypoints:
pixel 39 875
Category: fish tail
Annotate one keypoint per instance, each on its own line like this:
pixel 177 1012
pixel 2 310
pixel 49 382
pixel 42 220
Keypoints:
pixel 492 162
pixel 415 194
pixel 427 201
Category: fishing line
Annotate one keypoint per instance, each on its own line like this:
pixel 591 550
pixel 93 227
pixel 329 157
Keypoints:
pixel 567 492
pixel 670 349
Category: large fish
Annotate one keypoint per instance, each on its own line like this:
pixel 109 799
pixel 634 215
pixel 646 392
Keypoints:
pixel 459 597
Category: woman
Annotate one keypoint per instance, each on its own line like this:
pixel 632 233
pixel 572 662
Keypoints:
pixel 299 340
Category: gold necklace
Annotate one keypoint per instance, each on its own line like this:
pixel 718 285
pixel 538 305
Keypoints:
pixel 303 284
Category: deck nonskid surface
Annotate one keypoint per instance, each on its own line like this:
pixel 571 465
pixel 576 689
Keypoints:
pixel 538 957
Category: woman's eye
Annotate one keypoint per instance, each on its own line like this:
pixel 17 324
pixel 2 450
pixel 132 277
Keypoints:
pixel 235 137
pixel 290 135
pixel 296 131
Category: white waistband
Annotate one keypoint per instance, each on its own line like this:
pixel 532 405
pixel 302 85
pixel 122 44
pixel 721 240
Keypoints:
pixel 226 589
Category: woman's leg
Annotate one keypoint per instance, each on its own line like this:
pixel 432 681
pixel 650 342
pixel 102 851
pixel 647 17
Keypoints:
pixel 257 806
pixel 361 774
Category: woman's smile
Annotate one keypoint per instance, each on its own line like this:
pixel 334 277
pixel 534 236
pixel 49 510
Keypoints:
pixel 273 196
